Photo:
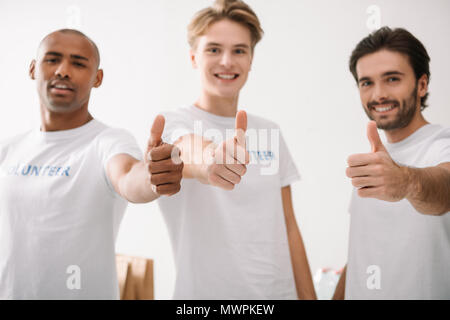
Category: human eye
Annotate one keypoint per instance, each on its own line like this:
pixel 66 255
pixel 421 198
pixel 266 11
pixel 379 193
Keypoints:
pixel 213 50
pixel 51 60
pixel 365 83
pixel 393 79
pixel 79 64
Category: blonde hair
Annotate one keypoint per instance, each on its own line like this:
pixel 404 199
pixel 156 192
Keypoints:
pixel 234 10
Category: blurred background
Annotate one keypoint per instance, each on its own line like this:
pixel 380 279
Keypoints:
pixel 299 79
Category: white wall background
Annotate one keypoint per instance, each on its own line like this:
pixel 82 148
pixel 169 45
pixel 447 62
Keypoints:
pixel 299 79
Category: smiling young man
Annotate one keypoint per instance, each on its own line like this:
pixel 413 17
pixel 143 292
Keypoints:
pixel 399 246
pixel 64 186
pixel 232 227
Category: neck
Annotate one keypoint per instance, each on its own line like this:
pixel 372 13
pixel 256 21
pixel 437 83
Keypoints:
pixel 57 121
pixel 220 106
pixel 398 135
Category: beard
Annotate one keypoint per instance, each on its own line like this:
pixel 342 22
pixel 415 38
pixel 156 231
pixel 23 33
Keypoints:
pixel 406 111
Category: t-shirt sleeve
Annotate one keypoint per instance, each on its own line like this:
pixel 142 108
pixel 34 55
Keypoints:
pixel 177 125
pixel 439 151
pixel 288 169
pixel 117 141
pixel 444 146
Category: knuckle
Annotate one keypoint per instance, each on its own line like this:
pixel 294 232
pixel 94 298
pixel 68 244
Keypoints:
pixel 153 180
pixel 348 172
pixel 361 193
pixel 349 160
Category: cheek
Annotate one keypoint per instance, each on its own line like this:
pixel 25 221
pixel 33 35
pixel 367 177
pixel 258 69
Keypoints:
pixel 364 95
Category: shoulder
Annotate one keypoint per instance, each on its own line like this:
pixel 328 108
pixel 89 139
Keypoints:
pixel 106 132
pixel 439 134
pixel 444 132
pixel 12 141
pixel 15 139
pixel 439 143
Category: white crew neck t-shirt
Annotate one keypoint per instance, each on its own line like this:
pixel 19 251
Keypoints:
pixel 395 252
pixel 232 244
pixel 59 214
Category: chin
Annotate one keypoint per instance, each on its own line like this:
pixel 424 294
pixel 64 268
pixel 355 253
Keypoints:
pixel 61 108
pixel 227 92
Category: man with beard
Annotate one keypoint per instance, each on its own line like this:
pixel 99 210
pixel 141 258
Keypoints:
pixel 399 245
pixel 64 186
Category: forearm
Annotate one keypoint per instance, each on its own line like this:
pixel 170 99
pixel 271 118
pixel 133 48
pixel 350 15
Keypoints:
pixel 339 292
pixel 429 189
pixel 300 265
pixel 135 185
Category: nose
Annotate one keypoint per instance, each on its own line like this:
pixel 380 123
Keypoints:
pixel 379 92
pixel 63 70
pixel 226 60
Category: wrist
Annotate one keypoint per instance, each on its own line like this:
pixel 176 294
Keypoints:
pixel 412 187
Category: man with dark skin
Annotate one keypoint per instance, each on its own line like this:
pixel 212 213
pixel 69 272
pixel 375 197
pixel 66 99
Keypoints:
pixel 65 187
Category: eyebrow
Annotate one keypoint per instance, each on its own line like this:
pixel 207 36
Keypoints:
pixel 240 45
pixel 387 73
pixel 73 56
pixel 391 73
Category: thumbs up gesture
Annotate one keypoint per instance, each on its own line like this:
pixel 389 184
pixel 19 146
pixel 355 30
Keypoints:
pixel 227 163
pixel 163 162
pixel 375 174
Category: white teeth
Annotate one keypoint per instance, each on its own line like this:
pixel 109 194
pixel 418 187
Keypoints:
pixel 226 76
pixel 61 86
pixel 381 109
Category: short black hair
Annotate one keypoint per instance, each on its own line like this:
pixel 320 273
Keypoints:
pixel 397 40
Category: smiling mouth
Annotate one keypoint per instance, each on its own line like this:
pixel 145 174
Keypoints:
pixel 61 87
pixel 383 108
pixel 226 76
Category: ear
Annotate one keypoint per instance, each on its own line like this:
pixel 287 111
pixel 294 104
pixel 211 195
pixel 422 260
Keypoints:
pixel 193 60
pixel 98 78
pixel 422 85
pixel 32 69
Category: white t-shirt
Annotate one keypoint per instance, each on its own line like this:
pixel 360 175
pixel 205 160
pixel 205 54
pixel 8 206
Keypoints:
pixel 231 244
pixel 395 252
pixel 59 214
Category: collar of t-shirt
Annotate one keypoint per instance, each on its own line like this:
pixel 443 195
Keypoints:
pixel 66 134
pixel 227 122
pixel 416 138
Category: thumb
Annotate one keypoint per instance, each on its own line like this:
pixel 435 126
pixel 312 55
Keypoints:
pixel 241 127
pixel 156 132
pixel 374 137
